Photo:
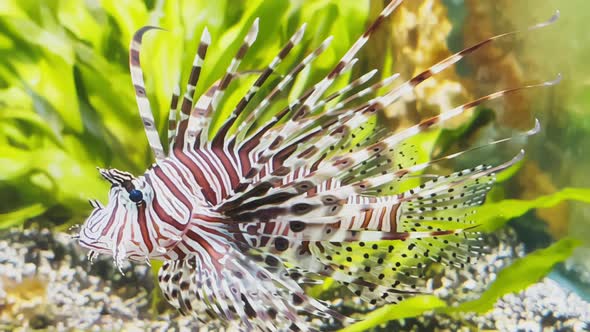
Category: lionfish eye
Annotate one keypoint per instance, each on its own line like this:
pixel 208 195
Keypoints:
pixel 136 196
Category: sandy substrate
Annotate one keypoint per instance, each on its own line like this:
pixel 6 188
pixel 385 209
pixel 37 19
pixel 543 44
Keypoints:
pixel 47 283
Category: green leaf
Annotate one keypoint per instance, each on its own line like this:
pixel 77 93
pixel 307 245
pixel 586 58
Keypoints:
pixel 411 307
pixel 74 181
pixel 129 16
pixel 521 274
pixel 51 81
pixel 17 217
pixel 77 18
pixel 51 42
pixel 493 216
pixel 156 293
pixel 11 8
pixel 36 122
pixel 14 162
pixel 518 276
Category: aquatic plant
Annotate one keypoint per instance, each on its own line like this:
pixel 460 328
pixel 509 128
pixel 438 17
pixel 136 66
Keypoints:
pixel 67 102
pixel 80 133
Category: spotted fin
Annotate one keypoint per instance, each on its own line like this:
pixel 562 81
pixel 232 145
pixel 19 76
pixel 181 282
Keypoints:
pixel 256 289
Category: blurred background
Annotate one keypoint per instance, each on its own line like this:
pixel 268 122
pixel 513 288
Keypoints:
pixel 67 103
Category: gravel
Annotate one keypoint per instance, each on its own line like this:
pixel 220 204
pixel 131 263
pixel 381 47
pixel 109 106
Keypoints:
pixel 47 283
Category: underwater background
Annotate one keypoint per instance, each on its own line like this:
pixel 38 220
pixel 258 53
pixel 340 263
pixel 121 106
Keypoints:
pixel 67 105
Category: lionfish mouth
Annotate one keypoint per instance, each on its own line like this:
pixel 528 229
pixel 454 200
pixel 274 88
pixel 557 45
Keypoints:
pixel 117 251
pixel 77 235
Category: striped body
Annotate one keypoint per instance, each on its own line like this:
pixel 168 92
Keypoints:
pixel 245 220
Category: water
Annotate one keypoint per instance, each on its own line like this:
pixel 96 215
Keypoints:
pixel 68 106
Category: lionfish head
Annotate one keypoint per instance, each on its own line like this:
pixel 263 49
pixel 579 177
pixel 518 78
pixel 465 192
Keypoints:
pixel 115 229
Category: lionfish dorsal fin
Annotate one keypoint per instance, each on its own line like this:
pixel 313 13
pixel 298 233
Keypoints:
pixel 187 101
pixel 207 105
pixel 143 103
pixel 219 138
pixel 172 118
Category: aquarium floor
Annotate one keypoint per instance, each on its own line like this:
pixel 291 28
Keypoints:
pixel 47 283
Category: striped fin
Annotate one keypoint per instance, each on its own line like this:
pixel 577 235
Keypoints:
pixel 357 96
pixel 340 164
pixel 416 168
pixel 291 127
pixel 364 212
pixel 356 83
pixel 324 84
pixel 293 41
pixel 143 103
pixel 348 56
pixel 269 142
pixel 344 163
pixel 269 138
pixel 392 262
pixel 256 290
pixel 172 116
pixel 390 270
pixel 370 108
pixel 195 74
pixel 336 110
pixel 392 96
pixel 206 105
pixel 388 168
pixel 263 140
pixel 247 124
pixel 333 116
pixel 369 179
pixel 390 249
pixel 187 100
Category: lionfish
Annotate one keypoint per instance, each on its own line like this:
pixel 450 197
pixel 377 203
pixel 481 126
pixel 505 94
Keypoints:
pixel 246 217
